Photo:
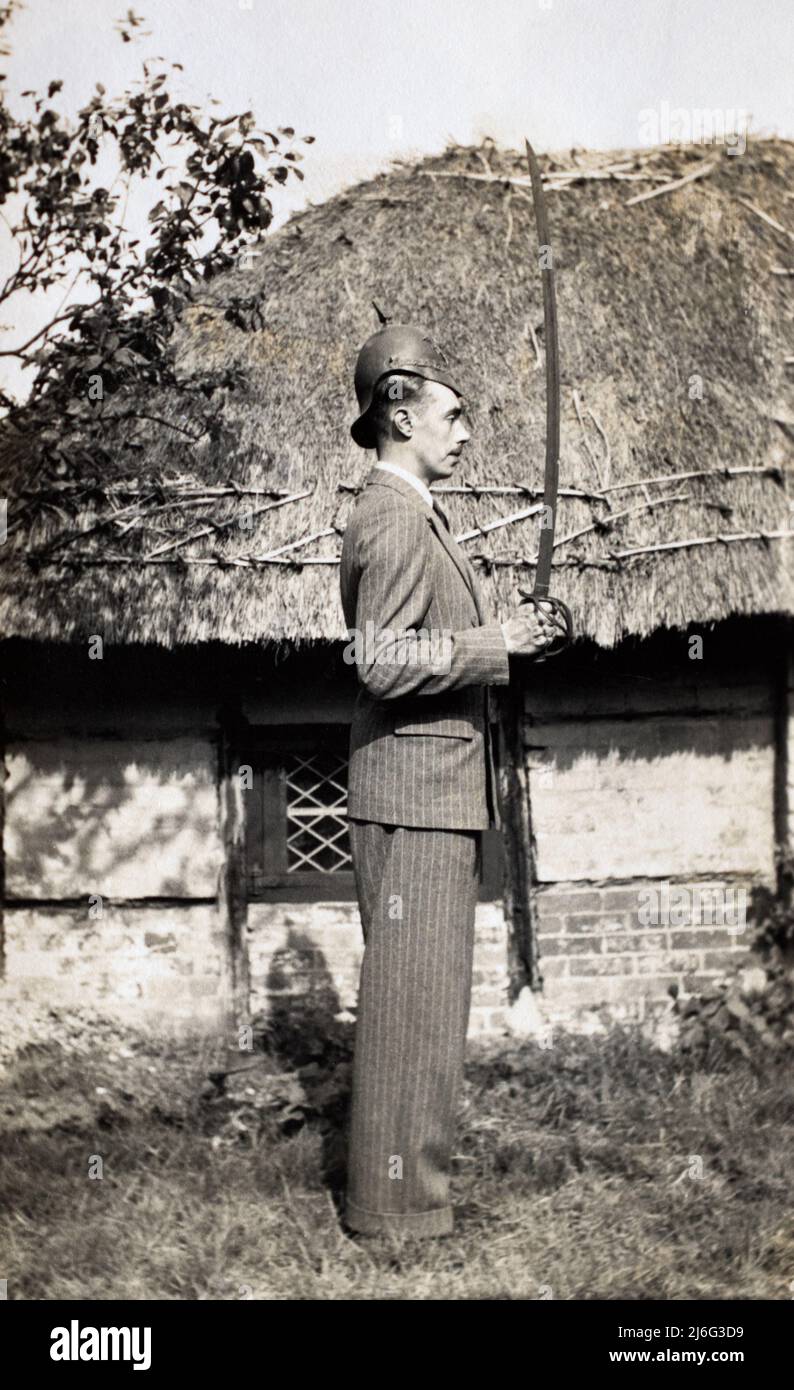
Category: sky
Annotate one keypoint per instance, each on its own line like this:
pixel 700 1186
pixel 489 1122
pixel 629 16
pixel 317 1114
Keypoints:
pixel 374 80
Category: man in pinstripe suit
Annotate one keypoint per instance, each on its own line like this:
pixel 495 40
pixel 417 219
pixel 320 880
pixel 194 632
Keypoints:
pixel 421 782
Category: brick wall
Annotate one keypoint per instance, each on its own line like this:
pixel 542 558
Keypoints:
pixel 598 948
pixel 649 778
pixel 157 967
pixel 315 949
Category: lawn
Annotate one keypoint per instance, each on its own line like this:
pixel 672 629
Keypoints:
pixel 596 1168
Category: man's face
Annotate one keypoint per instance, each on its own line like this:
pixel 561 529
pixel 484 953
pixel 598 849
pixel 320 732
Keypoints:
pixel 439 433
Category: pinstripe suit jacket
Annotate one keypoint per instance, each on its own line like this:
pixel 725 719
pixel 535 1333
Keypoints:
pixel 425 647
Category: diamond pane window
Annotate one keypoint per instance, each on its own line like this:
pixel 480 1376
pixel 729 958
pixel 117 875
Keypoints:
pixel 317 835
pixel 297 843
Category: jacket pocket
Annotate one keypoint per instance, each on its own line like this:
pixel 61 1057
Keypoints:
pixel 441 726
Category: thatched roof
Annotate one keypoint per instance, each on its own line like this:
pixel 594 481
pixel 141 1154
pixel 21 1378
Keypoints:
pixel 673 328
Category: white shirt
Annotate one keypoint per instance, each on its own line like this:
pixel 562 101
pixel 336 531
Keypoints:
pixel 421 488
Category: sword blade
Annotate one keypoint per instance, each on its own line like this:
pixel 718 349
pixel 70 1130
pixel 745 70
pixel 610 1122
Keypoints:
pixel 551 344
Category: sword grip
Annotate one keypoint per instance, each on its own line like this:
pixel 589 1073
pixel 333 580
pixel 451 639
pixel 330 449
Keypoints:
pixel 561 614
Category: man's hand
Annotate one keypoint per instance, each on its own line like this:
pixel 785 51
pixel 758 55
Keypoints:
pixel 529 631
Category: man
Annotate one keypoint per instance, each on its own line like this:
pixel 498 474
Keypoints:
pixel 421 784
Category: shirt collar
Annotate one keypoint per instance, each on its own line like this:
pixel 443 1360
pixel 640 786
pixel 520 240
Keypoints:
pixel 424 492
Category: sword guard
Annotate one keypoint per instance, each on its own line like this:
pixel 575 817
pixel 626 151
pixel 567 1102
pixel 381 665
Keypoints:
pixel 560 614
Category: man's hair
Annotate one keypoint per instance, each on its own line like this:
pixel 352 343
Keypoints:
pixel 392 391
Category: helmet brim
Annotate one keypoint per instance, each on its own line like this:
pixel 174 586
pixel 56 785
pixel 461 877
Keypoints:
pixel 363 432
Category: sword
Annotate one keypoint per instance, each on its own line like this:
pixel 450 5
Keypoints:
pixel 560 613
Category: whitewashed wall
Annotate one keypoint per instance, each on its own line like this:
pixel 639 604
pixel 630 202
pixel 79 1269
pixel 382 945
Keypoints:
pixel 119 818
pixel 637 779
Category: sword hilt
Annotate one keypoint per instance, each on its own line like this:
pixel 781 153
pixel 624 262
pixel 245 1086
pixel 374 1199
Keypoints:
pixel 560 615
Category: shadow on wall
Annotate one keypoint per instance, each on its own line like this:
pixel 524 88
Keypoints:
pixel 302 1029
pixel 117 818
pixel 303 1000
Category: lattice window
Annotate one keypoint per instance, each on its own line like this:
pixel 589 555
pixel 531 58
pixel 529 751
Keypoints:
pixel 297 842
pixel 317 835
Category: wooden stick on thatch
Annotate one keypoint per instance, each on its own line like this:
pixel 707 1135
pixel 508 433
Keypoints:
pixel 769 469
pixel 295 545
pixel 610 177
pixel 770 221
pixel 605 466
pixel 590 453
pixel 173 504
pixel 723 539
pixel 559 179
pixel 221 525
pixel 699 173
pixel 77 558
pixel 607 561
pixel 533 335
pixel 67 536
pixel 517 181
pixel 133 488
pixel 609 521
pixel 501 521
pixel 492 490
pixel 513 489
pixel 574 535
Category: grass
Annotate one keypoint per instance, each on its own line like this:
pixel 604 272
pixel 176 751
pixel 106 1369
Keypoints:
pixel 599 1168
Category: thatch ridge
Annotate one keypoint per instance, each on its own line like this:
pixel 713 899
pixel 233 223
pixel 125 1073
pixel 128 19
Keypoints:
pixel 673 345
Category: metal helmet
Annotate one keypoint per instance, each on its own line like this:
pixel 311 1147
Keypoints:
pixel 398 347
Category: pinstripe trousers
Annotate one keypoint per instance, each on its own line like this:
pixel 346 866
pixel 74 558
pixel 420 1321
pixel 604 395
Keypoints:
pixel 417 891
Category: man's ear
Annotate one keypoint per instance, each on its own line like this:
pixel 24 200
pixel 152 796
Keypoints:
pixel 403 421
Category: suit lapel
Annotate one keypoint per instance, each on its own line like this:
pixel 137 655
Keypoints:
pixel 379 478
pixel 459 558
